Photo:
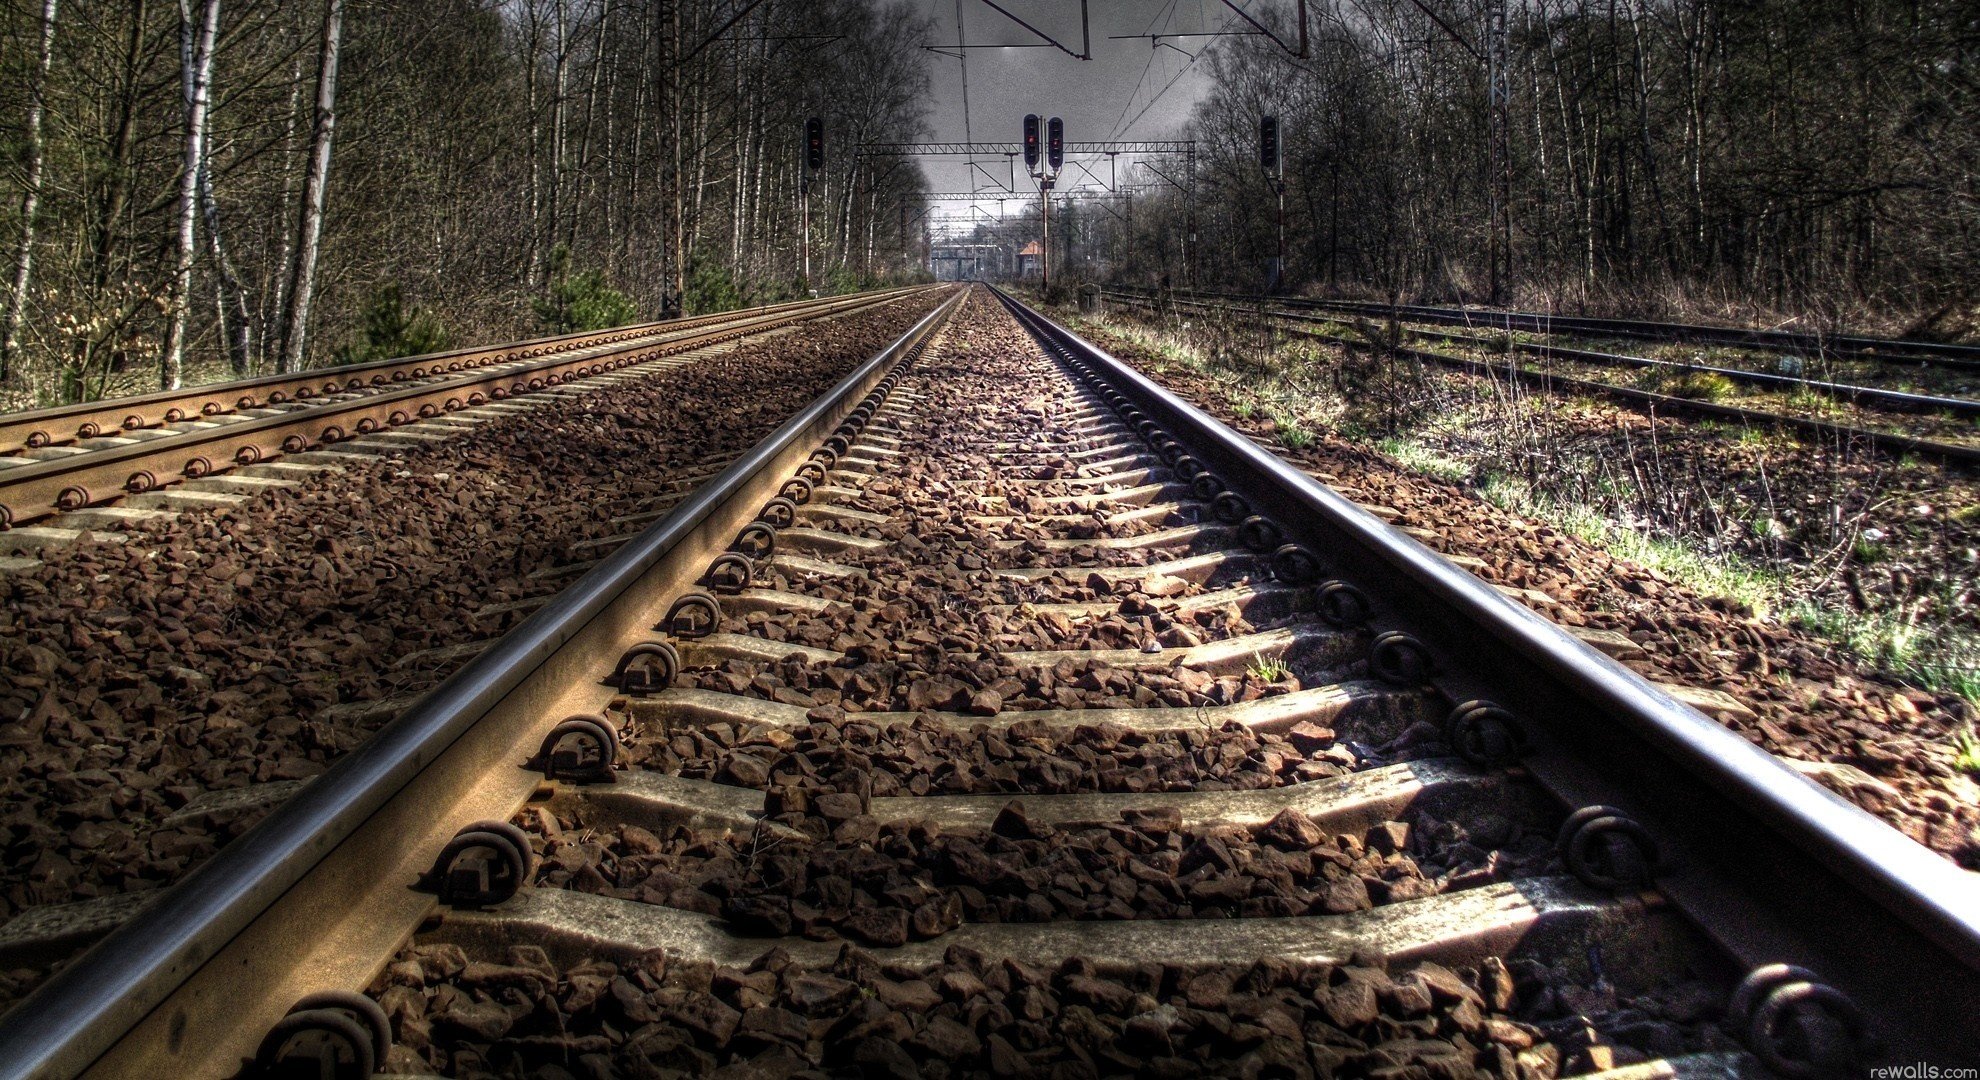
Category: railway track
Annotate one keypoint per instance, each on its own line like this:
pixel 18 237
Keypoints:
pixel 1857 346
pixel 220 440
pixel 1552 381
pixel 1107 738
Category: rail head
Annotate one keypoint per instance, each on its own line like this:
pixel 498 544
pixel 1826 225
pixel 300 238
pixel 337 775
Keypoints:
pixel 83 1011
pixel 1754 823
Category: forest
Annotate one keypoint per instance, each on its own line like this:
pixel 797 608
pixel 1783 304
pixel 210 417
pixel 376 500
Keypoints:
pixel 220 188
pixel 1817 159
pixel 201 189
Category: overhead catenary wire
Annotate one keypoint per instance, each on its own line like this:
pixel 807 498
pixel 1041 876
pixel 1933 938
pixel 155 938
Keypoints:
pixel 1164 15
pixel 1166 87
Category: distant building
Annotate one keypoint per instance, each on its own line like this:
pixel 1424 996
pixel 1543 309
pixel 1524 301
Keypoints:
pixel 1030 259
pixel 961 262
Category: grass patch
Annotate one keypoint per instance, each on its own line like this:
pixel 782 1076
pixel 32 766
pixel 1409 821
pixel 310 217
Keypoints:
pixel 1703 572
pixel 1937 658
pixel 1267 670
pixel 1294 437
pixel 1966 750
pixel 1418 458
pixel 1702 386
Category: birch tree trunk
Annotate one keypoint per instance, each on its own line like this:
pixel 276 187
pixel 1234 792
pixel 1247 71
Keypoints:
pixel 677 245
pixel 302 286
pixel 30 193
pixel 559 118
pixel 196 66
pixel 533 172
pixel 236 316
pixel 275 288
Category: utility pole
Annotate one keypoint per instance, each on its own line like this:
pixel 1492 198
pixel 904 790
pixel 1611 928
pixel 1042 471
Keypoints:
pixel 814 160
pixel 1189 247
pixel 1498 137
pixel 1498 94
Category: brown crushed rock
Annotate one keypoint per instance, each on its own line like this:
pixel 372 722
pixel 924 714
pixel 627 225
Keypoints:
pixel 940 682
pixel 822 866
pixel 837 872
pixel 926 757
pixel 924 624
pixel 200 654
pixel 899 603
pixel 974 1016
pixel 1811 702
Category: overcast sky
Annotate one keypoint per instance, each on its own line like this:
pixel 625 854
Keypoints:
pixel 1119 94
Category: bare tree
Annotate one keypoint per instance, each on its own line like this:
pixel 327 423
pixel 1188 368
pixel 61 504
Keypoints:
pixel 17 297
pixel 310 229
pixel 649 145
pixel 196 64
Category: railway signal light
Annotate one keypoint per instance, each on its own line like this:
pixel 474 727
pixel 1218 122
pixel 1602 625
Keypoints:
pixel 814 144
pixel 1031 141
pixel 1055 143
pixel 1268 143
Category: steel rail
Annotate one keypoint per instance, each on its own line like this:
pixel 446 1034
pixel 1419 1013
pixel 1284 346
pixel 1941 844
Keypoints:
pixel 188 985
pixel 77 480
pixel 1883 350
pixel 62 423
pixel 1956 453
pixel 1814 878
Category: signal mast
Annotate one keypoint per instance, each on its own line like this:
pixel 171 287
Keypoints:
pixel 1054 159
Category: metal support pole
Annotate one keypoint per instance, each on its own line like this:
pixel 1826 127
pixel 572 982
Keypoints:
pixel 1279 254
pixel 804 226
pixel 1498 92
pixel 1190 255
pixel 1045 242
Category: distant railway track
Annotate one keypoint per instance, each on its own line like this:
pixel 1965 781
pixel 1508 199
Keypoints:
pixel 976 541
pixel 1868 397
pixel 1882 350
pixel 73 457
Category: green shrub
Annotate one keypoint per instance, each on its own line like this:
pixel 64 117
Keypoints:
pixel 710 287
pixel 581 301
pixel 391 330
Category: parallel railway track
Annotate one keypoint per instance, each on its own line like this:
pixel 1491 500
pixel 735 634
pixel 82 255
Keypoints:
pixel 72 457
pixel 981 565
pixel 1550 381
pixel 1881 350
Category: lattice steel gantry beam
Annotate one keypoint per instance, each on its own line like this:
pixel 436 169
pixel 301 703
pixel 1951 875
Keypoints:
pixel 1008 196
pixel 1158 146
